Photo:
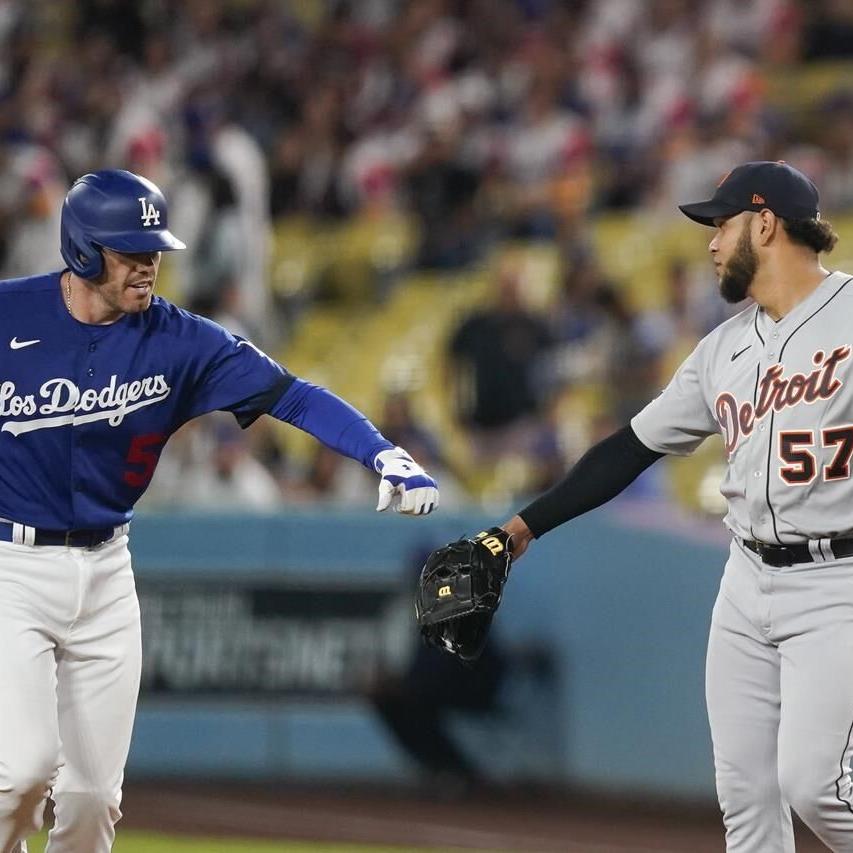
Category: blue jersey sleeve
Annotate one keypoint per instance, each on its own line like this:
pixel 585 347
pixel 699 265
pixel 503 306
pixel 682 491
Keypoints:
pixel 233 375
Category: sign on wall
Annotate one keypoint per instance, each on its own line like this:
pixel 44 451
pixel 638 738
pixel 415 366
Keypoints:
pixel 266 638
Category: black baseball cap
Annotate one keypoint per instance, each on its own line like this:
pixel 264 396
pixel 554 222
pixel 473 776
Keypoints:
pixel 760 185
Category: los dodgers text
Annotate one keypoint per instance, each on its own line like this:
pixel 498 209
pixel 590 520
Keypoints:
pixel 62 396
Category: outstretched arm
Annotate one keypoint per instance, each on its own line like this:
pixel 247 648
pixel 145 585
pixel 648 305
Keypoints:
pixel 346 430
pixel 600 474
pixel 461 585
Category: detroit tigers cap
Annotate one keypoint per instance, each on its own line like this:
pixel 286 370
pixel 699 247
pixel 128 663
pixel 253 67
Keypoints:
pixel 759 185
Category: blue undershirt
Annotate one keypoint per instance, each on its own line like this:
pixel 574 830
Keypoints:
pixel 331 420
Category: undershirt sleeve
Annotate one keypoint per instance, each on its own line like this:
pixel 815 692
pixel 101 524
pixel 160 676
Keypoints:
pixel 331 420
pixel 600 474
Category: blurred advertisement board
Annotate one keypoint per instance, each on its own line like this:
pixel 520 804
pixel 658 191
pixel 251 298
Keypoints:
pixel 264 638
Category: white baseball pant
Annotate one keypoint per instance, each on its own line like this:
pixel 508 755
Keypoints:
pixel 779 685
pixel 70 658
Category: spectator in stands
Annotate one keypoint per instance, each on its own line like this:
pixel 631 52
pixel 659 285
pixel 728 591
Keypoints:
pixel 442 189
pixel 210 467
pixel 306 157
pixel 692 309
pixel 221 303
pixel 237 155
pixel 120 21
pixel 543 144
pixel 219 252
pixel 597 341
pixel 836 120
pixel 324 480
pixel 574 317
pixel 31 189
pixel 496 361
pixel 829 30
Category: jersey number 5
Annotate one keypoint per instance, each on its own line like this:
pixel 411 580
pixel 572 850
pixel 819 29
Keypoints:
pixel 801 467
pixel 145 451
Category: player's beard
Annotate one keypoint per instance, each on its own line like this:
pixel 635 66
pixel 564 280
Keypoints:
pixel 740 270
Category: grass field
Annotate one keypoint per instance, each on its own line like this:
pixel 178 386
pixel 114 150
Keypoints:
pixel 144 842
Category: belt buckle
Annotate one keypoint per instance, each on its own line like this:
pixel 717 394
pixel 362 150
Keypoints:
pixel 80 537
pixel 780 554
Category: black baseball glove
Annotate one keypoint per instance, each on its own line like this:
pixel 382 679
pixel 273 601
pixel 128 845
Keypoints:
pixel 459 591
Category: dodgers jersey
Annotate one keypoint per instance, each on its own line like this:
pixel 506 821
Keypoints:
pixel 85 409
pixel 781 395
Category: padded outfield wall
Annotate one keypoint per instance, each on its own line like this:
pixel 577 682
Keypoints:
pixel 260 633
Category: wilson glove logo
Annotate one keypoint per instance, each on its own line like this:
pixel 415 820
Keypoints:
pixel 492 543
pixel 61 402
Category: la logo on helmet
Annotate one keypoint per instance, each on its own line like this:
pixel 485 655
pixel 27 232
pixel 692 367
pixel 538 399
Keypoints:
pixel 150 214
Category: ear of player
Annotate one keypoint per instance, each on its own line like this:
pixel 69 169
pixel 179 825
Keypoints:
pixel 404 484
pixel 460 589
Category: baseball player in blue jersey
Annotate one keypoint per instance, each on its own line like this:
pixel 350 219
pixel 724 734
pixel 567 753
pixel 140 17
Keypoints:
pixel 95 374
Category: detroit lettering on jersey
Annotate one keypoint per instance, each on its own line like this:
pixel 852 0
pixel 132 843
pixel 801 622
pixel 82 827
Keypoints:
pixel 780 393
pixel 776 393
pixel 100 402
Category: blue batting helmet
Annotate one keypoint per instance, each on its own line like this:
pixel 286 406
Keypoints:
pixel 112 209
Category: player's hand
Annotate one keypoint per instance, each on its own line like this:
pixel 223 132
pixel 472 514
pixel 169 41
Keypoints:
pixel 404 483
pixel 520 535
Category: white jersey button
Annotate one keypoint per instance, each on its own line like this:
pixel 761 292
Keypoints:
pixel 756 474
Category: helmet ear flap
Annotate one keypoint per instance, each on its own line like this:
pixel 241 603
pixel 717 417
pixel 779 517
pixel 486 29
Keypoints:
pixel 84 264
pixel 82 256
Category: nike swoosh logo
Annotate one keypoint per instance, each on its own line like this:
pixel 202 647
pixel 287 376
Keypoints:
pixel 16 344
pixel 740 352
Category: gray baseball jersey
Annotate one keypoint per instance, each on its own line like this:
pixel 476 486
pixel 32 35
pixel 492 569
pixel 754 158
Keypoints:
pixel 779 677
pixel 781 395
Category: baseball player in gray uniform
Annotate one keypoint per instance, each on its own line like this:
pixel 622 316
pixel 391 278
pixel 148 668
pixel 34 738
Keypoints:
pixel 776 381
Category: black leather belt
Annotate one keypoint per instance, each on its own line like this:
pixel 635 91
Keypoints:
pixel 68 538
pixel 788 555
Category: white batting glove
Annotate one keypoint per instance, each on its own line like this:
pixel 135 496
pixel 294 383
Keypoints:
pixel 404 479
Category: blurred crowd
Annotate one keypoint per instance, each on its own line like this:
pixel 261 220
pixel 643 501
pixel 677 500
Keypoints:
pixel 480 121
